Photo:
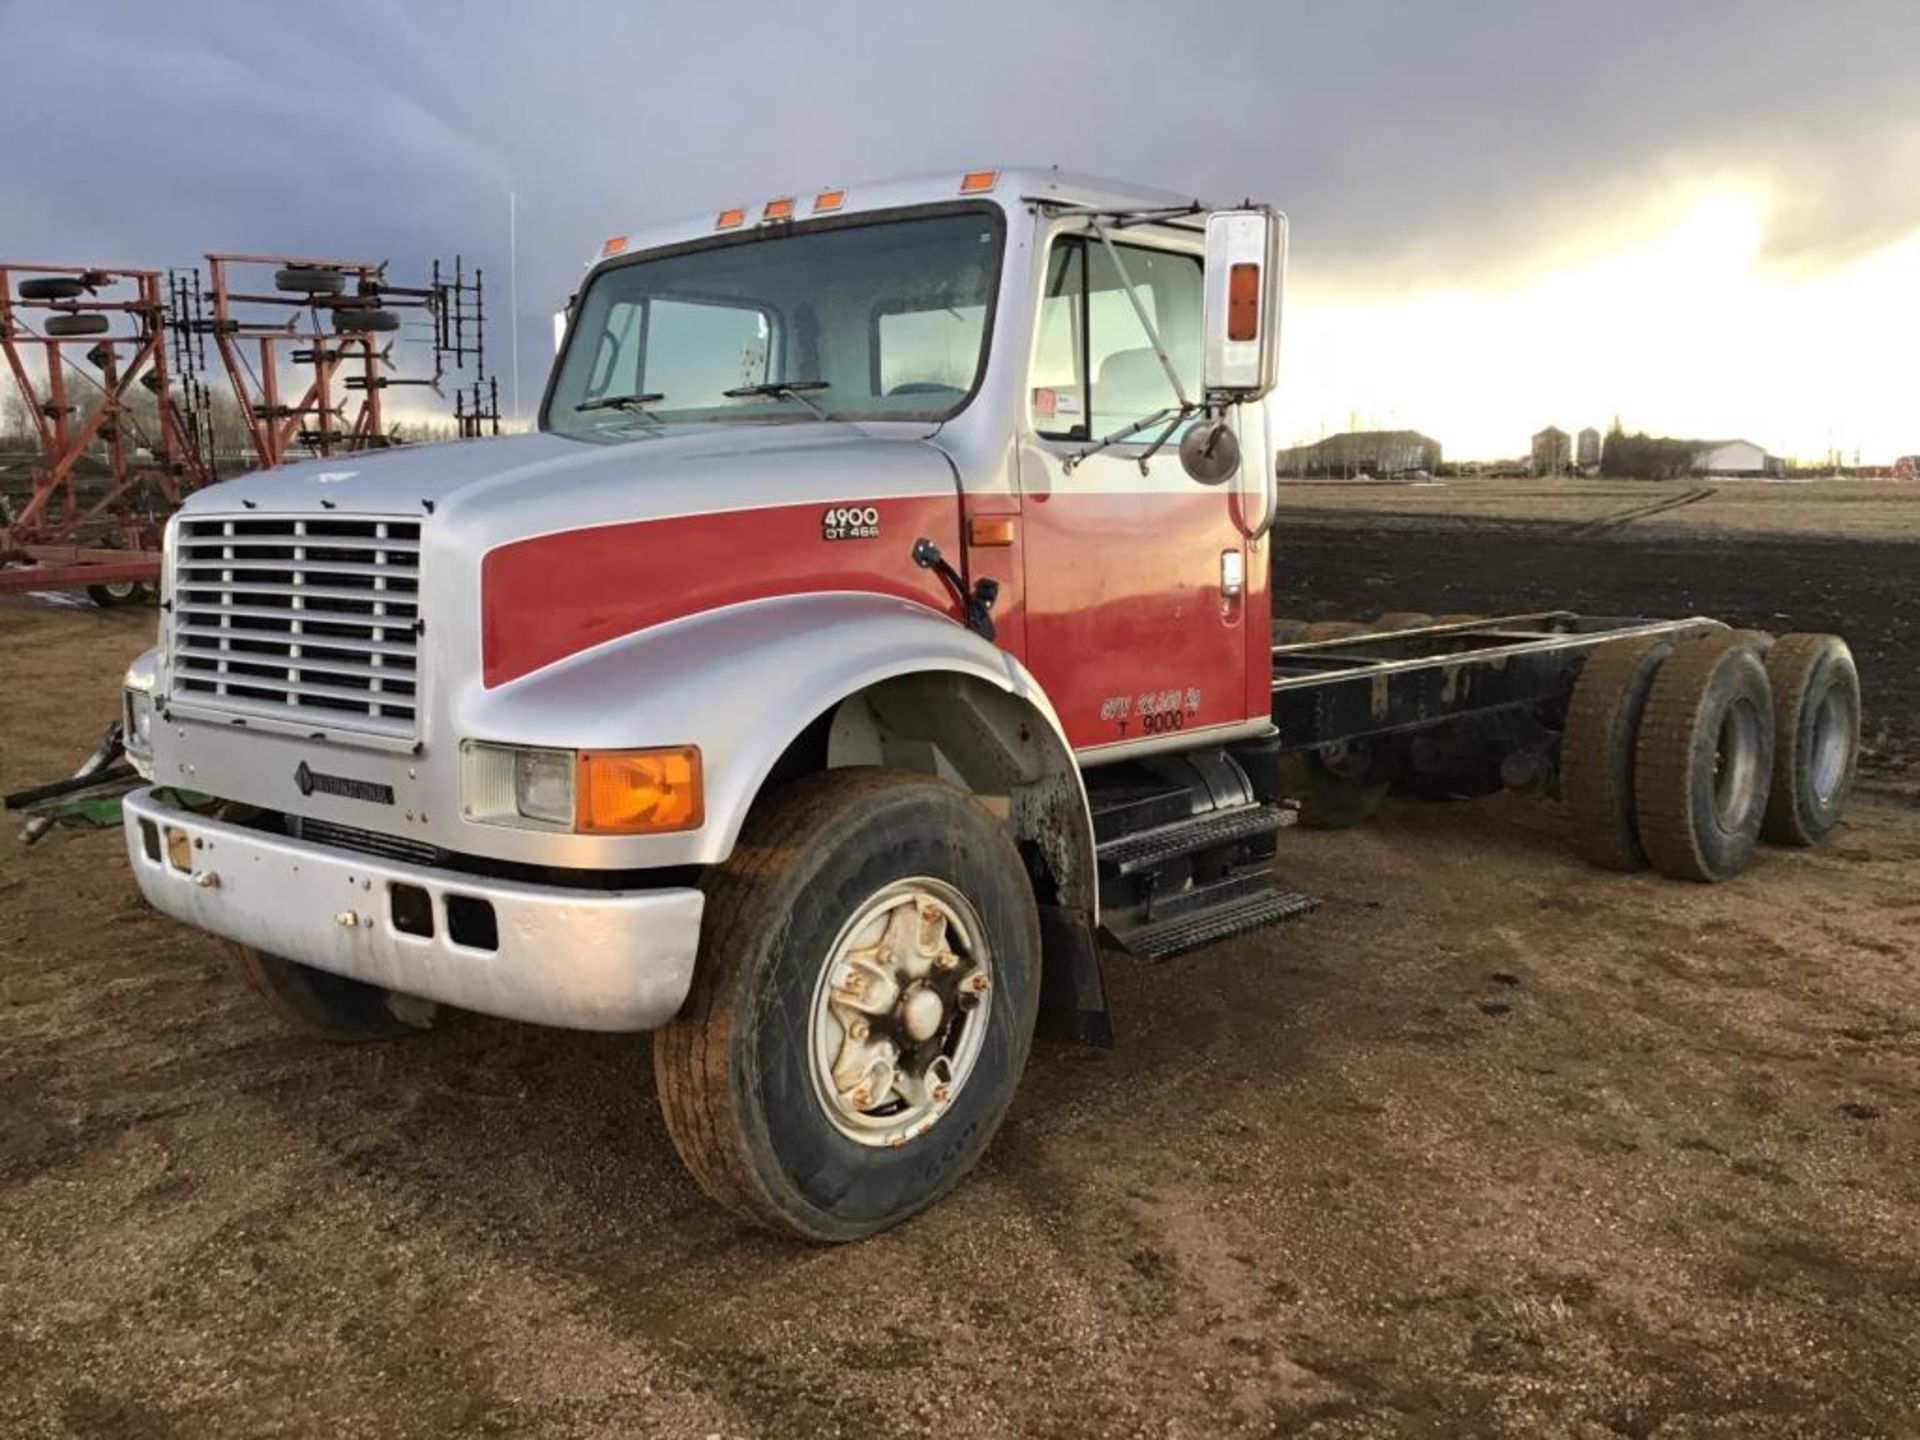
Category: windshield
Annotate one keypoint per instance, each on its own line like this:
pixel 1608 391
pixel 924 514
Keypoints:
pixel 879 320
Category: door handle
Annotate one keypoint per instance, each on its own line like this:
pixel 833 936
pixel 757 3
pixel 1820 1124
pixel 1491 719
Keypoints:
pixel 1233 573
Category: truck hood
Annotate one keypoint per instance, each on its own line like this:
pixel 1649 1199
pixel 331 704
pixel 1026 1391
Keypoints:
pixel 561 480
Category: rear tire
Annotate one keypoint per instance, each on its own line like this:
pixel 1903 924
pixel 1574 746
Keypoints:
pixel 1597 751
pixel 742 1080
pixel 328 1006
pixel 1816 742
pixel 1704 760
pixel 1338 786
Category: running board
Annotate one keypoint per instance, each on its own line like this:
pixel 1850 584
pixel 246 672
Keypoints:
pixel 1195 929
pixel 1144 849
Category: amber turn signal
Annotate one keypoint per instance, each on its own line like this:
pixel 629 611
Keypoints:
pixel 638 792
pixel 1243 302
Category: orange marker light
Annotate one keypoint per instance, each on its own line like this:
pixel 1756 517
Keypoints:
pixel 613 246
pixel 990 530
pixel 638 792
pixel 1243 302
pixel 778 210
pixel 730 218
pixel 978 182
pixel 828 200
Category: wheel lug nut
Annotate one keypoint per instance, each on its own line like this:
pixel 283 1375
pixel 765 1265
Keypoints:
pixel 859 1029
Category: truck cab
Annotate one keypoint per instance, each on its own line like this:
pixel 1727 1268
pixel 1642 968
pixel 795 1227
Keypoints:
pixel 883 553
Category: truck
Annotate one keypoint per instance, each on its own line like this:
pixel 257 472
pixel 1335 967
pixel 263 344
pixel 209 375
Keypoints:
pixel 873 642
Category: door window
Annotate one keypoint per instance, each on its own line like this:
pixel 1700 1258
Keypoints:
pixel 1089 327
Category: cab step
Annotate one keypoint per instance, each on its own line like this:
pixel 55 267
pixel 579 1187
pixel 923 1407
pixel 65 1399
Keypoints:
pixel 1145 849
pixel 1193 929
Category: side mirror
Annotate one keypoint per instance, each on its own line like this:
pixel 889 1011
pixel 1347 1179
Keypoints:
pixel 1210 451
pixel 1245 279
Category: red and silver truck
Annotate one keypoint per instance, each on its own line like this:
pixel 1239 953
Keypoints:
pixel 875 637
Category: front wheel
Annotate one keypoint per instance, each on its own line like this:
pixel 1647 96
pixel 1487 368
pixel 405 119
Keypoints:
pixel 868 980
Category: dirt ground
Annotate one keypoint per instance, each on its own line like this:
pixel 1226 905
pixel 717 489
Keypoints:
pixel 1494 1144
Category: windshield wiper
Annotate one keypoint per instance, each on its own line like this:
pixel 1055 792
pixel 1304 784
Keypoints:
pixel 622 402
pixel 783 390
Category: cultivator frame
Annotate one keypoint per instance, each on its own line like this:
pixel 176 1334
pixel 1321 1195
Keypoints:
pixel 111 540
pixel 269 316
pixel 351 353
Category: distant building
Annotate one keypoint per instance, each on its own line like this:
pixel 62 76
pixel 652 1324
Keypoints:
pixel 1552 452
pixel 1586 450
pixel 1733 457
pixel 1363 452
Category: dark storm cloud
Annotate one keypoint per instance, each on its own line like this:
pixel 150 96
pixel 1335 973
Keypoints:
pixel 1414 142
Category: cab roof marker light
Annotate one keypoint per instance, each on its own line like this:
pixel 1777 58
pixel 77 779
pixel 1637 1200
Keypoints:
pixel 781 209
pixel 615 244
pixel 828 200
pixel 978 182
pixel 730 219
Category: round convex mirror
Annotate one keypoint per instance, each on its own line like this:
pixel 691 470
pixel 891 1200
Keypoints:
pixel 1210 451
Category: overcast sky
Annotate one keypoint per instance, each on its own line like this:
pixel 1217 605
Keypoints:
pixel 1496 207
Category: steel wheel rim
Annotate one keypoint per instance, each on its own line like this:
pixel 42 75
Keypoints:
pixel 899 1012
pixel 1832 743
pixel 1736 764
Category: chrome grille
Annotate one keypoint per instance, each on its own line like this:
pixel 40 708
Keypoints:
pixel 309 618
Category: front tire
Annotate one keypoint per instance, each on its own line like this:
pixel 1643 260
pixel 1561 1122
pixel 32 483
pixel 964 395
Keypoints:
pixel 865 999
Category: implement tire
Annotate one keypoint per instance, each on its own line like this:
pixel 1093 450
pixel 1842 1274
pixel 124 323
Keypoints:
pixel 743 1083
pixel 1703 763
pixel 84 322
pixel 1816 742
pixel 328 1006
pixel 1597 751
pixel 365 321
pixel 111 597
pixel 53 287
pixel 309 280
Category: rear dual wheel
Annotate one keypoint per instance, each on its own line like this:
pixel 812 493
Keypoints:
pixel 1703 761
pixel 868 981
pixel 1684 757
pixel 1816 720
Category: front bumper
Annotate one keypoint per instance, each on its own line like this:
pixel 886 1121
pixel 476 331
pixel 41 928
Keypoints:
pixel 582 959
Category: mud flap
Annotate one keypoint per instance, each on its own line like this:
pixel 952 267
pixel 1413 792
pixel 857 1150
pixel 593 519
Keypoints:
pixel 1073 994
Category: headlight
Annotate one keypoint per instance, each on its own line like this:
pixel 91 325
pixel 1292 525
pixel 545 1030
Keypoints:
pixel 138 724
pixel 137 710
pixel 599 792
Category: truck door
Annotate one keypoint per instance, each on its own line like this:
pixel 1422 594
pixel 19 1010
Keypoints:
pixel 1136 577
